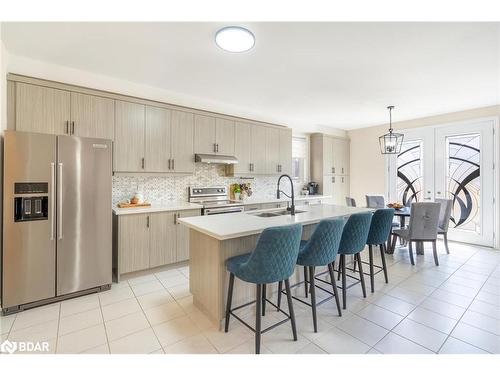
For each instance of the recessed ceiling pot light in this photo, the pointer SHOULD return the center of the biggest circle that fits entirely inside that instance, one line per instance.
(234, 39)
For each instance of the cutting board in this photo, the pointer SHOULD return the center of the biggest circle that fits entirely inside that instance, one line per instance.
(132, 205)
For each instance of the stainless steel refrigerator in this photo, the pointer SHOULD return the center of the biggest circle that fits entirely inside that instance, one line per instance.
(57, 224)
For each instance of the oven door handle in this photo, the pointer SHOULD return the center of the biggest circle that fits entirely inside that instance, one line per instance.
(224, 210)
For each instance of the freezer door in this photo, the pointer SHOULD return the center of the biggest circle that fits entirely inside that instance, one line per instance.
(29, 246)
(84, 227)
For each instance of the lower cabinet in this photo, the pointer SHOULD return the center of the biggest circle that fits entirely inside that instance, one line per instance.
(150, 240)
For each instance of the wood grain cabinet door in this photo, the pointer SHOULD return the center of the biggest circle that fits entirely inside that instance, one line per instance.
(92, 116)
(224, 136)
(285, 159)
(133, 243)
(41, 109)
(258, 149)
(204, 134)
(128, 153)
(242, 147)
(157, 140)
(272, 150)
(162, 238)
(182, 142)
(183, 235)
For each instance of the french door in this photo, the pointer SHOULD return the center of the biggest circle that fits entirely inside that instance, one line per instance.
(454, 162)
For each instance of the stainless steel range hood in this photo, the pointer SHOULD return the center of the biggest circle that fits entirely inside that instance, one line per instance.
(215, 159)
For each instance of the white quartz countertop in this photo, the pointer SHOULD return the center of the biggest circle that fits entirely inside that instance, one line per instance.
(157, 207)
(234, 225)
(249, 201)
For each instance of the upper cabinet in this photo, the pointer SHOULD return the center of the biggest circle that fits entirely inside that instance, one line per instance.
(92, 116)
(262, 149)
(204, 134)
(285, 159)
(158, 127)
(128, 152)
(48, 110)
(224, 136)
(42, 109)
(213, 135)
(153, 139)
(182, 142)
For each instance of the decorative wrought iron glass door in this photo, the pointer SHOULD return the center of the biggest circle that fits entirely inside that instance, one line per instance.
(464, 173)
(452, 162)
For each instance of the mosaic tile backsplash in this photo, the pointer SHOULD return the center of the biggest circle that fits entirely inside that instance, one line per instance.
(175, 188)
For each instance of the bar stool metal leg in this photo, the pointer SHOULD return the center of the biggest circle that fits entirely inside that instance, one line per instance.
(280, 288)
(372, 272)
(290, 309)
(384, 265)
(361, 276)
(229, 301)
(313, 298)
(331, 267)
(434, 250)
(344, 283)
(339, 271)
(410, 250)
(305, 281)
(258, 307)
(445, 237)
(264, 292)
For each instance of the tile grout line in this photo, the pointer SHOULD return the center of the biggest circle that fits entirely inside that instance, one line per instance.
(104, 324)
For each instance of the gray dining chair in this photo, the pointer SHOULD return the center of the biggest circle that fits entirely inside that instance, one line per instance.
(350, 202)
(423, 227)
(444, 219)
(375, 201)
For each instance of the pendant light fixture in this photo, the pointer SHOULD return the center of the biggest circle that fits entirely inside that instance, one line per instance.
(391, 142)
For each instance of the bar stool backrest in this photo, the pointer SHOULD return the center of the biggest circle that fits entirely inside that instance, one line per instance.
(355, 233)
(323, 246)
(424, 221)
(274, 256)
(380, 227)
(444, 213)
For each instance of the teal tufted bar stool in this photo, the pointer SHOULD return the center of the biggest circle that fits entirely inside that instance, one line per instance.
(380, 230)
(320, 250)
(273, 260)
(353, 241)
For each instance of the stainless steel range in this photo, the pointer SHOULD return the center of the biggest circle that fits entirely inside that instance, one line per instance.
(214, 200)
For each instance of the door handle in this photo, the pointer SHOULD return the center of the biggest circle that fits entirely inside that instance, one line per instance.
(216, 147)
(142, 163)
(178, 217)
(52, 199)
(59, 203)
(169, 163)
(147, 221)
(173, 163)
(67, 127)
(72, 127)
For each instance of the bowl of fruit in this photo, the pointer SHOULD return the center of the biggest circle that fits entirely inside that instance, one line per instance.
(396, 205)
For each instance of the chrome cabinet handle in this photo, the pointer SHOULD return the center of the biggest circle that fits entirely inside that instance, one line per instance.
(178, 217)
(147, 221)
(52, 199)
(333, 170)
(67, 127)
(59, 203)
(72, 127)
(175, 218)
(342, 170)
(169, 163)
(333, 179)
(142, 163)
(216, 147)
(173, 163)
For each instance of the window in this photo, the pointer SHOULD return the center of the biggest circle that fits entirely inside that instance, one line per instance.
(299, 159)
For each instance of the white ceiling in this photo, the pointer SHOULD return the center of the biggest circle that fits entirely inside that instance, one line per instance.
(306, 75)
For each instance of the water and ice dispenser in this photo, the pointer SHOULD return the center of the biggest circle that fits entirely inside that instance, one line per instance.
(33, 204)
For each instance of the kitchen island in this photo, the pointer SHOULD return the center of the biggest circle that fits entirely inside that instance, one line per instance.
(214, 239)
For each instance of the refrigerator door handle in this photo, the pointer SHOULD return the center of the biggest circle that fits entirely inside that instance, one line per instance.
(59, 201)
(52, 199)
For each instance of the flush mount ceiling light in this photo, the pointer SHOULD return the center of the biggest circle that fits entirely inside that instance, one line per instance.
(234, 39)
(390, 143)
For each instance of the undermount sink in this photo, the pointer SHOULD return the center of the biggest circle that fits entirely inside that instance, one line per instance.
(275, 213)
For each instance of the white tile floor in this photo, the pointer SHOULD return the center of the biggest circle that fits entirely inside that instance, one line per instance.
(453, 308)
